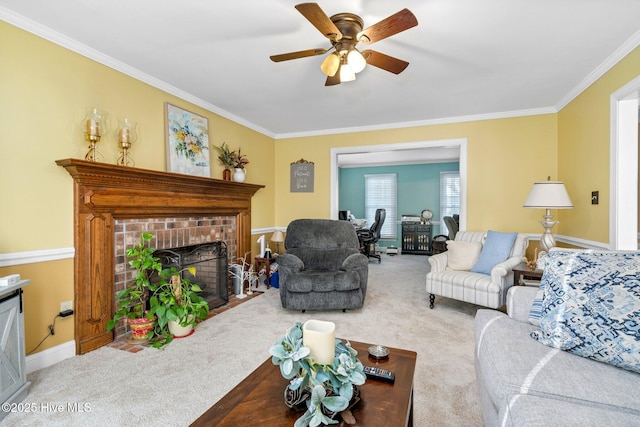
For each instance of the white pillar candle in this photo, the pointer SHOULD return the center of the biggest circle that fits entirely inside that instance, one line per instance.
(320, 337)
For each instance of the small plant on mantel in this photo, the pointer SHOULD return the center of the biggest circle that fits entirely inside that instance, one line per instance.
(132, 300)
(225, 155)
(239, 159)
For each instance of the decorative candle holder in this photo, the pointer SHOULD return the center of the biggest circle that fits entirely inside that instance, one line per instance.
(126, 135)
(95, 125)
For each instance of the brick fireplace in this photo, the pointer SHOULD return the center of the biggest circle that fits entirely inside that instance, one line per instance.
(171, 238)
(108, 196)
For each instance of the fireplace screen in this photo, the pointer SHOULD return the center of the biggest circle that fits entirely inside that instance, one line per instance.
(210, 261)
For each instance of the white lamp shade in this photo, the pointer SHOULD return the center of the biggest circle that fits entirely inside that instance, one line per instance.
(277, 237)
(346, 73)
(356, 60)
(548, 195)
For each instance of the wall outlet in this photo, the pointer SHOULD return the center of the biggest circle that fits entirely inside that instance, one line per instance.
(66, 305)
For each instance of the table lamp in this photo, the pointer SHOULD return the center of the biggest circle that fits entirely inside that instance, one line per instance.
(548, 195)
(278, 238)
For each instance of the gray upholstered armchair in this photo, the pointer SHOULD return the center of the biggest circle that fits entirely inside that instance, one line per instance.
(323, 268)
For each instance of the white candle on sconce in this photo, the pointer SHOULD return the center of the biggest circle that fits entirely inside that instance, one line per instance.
(320, 337)
(125, 135)
(93, 127)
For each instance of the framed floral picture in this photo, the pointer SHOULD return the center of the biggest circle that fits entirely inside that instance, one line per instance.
(187, 142)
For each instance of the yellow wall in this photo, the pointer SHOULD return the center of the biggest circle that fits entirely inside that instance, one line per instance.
(46, 88)
(584, 151)
(44, 91)
(505, 157)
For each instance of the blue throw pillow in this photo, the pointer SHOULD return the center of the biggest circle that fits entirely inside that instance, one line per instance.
(497, 248)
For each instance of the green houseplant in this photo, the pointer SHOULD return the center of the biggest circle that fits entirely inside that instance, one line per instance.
(226, 157)
(177, 304)
(326, 390)
(132, 300)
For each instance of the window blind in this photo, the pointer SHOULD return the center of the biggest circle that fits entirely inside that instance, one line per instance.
(381, 191)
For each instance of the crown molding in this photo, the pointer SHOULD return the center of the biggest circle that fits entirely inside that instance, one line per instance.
(624, 50)
(84, 50)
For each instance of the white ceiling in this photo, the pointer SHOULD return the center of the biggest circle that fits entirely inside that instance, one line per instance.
(469, 59)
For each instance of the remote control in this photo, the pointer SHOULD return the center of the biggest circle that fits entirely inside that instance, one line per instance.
(379, 374)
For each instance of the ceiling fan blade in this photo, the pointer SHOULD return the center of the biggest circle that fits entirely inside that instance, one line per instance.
(296, 55)
(394, 24)
(333, 80)
(320, 20)
(385, 62)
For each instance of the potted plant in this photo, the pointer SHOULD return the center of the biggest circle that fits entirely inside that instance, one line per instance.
(226, 157)
(177, 305)
(239, 162)
(324, 391)
(132, 301)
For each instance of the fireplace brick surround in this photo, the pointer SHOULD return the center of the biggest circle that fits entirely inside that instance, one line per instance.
(105, 194)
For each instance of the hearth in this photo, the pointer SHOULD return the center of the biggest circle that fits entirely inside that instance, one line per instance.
(211, 263)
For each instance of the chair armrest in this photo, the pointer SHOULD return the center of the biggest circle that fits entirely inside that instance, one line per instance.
(291, 262)
(502, 273)
(355, 261)
(438, 262)
(519, 302)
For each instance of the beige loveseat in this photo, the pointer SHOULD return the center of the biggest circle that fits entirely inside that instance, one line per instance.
(451, 276)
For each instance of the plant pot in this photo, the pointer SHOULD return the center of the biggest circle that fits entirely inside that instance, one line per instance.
(226, 174)
(239, 175)
(179, 331)
(140, 327)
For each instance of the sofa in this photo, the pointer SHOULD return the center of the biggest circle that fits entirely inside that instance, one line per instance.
(452, 272)
(545, 362)
(323, 268)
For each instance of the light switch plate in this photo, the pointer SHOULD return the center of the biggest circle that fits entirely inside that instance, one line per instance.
(595, 197)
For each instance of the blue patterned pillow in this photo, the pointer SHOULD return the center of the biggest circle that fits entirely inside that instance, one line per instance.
(550, 275)
(591, 306)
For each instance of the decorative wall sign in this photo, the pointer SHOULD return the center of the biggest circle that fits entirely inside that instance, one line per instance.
(302, 176)
(187, 142)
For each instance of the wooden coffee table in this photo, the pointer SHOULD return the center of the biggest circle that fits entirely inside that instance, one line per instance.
(259, 399)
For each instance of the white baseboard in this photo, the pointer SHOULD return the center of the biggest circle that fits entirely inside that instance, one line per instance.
(51, 356)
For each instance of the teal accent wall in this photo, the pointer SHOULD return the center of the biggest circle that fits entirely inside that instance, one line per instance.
(418, 189)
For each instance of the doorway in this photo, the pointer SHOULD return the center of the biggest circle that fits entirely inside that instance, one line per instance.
(459, 143)
(623, 210)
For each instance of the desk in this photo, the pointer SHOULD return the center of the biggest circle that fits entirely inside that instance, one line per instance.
(259, 261)
(259, 399)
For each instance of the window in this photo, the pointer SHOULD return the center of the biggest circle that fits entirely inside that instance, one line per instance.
(449, 197)
(380, 191)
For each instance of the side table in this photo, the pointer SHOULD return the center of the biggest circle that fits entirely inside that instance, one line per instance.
(259, 261)
(521, 273)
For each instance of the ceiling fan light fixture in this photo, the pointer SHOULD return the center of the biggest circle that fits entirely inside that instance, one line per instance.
(330, 65)
(356, 61)
(346, 73)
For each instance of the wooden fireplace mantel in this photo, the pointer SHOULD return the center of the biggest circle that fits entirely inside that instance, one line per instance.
(103, 193)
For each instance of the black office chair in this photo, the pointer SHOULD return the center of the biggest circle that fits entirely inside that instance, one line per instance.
(369, 237)
(452, 226)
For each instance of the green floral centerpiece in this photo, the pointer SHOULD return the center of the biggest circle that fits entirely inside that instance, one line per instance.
(327, 390)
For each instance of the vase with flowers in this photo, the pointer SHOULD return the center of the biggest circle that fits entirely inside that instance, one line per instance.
(324, 390)
(226, 157)
(239, 162)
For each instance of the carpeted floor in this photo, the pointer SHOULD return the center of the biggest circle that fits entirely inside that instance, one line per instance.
(174, 386)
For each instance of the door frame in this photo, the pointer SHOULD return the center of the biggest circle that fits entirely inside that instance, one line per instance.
(460, 143)
(623, 180)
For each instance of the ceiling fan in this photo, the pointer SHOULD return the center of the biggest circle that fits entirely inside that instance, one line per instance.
(344, 30)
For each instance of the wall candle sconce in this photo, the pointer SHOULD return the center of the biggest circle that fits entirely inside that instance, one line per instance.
(126, 135)
(95, 125)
